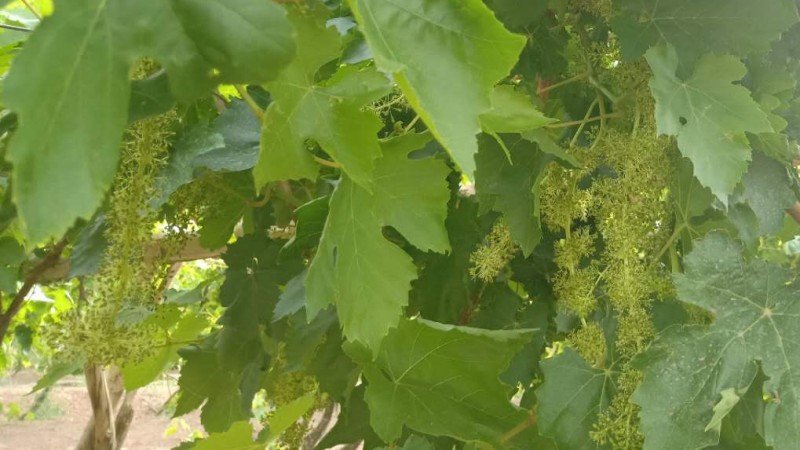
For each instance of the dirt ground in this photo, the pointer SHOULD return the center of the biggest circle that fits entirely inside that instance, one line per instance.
(64, 415)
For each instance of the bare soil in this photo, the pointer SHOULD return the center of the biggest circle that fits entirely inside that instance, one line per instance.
(67, 410)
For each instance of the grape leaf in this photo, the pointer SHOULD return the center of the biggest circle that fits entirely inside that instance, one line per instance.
(216, 229)
(730, 398)
(773, 87)
(517, 13)
(292, 299)
(141, 373)
(241, 132)
(11, 252)
(284, 417)
(205, 382)
(441, 380)
(694, 28)
(249, 295)
(366, 276)
(149, 97)
(335, 372)
(330, 114)
(444, 286)
(511, 187)
(446, 57)
(57, 371)
(304, 337)
(180, 166)
(352, 425)
(755, 307)
(310, 223)
(239, 437)
(768, 192)
(512, 112)
(570, 400)
(708, 114)
(414, 442)
(691, 199)
(89, 248)
(73, 124)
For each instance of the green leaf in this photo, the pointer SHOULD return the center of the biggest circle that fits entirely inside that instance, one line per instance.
(205, 382)
(691, 199)
(768, 192)
(335, 372)
(774, 145)
(546, 144)
(239, 437)
(352, 425)
(708, 114)
(285, 416)
(724, 407)
(441, 380)
(217, 228)
(517, 13)
(444, 286)
(331, 114)
(180, 167)
(141, 373)
(11, 252)
(745, 222)
(570, 400)
(687, 368)
(512, 112)
(89, 249)
(241, 132)
(414, 442)
(310, 223)
(446, 57)
(709, 26)
(73, 124)
(356, 268)
(149, 97)
(743, 428)
(304, 337)
(511, 187)
(56, 372)
(249, 295)
(292, 299)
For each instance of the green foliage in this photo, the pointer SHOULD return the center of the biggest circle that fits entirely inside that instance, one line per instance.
(356, 268)
(427, 387)
(694, 28)
(77, 120)
(696, 110)
(568, 419)
(300, 105)
(409, 38)
(463, 224)
(754, 308)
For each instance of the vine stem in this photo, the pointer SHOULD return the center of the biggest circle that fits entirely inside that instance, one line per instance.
(15, 28)
(326, 163)
(586, 117)
(667, 245)
(33, 277)
(411, 124)
(581, 122)
(530, 421)
(601, 104)
(32, 9)
(466, 313)
(259, 113)
(571, 80)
